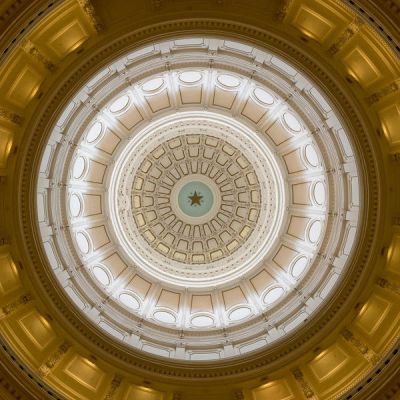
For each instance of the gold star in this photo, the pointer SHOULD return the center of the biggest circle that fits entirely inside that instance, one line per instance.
(195, 199)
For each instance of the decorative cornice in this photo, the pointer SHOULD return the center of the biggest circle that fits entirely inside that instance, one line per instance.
(305, 386)
(238, 395)
(375, 97)
(54, 359)
(11, 307)
(115, 384)
(32, 50)
(283, 10)
(348, 33)
(89, 10)
(10, 116)
(367, 353)
(382, 16)
(384, 283)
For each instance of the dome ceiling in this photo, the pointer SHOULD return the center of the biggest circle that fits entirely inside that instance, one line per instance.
(199, 243)
(199, 200)
(202, 201)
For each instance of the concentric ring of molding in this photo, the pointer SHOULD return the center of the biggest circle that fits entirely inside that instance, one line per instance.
(305, 160)
(262, 223)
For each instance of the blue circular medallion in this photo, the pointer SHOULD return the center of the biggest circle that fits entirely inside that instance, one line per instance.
(195, 199)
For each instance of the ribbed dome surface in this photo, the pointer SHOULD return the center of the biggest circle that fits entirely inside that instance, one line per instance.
(200, 201)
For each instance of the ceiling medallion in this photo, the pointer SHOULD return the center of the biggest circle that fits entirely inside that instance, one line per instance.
(196, 199)
(208, 211)
(220, 231)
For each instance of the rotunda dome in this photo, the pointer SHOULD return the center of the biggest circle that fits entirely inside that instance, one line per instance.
(200, 200)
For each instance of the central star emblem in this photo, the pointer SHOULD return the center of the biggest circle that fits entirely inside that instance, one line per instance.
(195, 199)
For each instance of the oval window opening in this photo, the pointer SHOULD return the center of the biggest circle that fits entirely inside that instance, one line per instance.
(273, 295)
(263, 96)
(311, 155)
(202, 321)
(190, 76)
(315, 231)
(164, 316)
(101, 275)
(83, 242)
(119, 104)
(75, 205)
(152, 84)
(94, 132)
(78, 168)
(292, 122)
(299, 266)
(239, 313)
(129, 301)
(319, 193)
(228, 80)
